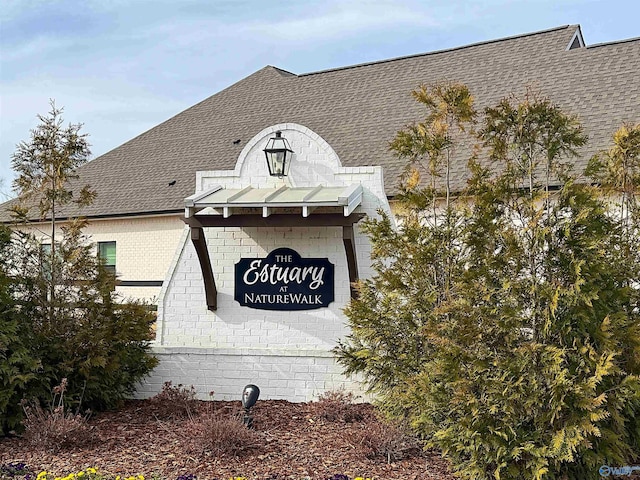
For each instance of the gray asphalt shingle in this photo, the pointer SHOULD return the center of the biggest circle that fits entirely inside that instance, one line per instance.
(358, 110)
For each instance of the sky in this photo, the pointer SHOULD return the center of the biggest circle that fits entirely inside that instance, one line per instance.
(120, 67)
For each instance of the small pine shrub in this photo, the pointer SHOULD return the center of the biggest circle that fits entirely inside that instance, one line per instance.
(337, 406)
(175, 401)
(54, 428)
(219, 434)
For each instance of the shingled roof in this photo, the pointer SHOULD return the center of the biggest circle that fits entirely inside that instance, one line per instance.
(358, 110)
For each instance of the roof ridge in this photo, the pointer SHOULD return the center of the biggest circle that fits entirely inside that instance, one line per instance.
(282, 71)
(445, 50)
(615, 42)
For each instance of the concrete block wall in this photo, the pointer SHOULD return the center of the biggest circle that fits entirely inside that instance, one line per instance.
(294, 375)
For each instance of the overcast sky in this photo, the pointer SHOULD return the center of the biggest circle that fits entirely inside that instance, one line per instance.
(120, 67)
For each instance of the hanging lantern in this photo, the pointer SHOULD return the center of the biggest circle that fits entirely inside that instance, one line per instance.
(278, 153)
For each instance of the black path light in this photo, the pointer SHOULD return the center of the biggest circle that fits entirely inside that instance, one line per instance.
(250, 396)
(278, 153)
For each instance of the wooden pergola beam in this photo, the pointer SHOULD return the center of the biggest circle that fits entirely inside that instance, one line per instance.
(274, 220)
(210, 290)
(352, 263)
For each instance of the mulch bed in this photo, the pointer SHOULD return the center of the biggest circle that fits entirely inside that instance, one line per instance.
(294, 442)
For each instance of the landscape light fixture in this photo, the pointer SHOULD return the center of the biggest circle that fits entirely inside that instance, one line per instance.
(278, 153)
(250, 396)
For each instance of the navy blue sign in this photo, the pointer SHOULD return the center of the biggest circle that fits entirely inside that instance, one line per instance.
(284, 281)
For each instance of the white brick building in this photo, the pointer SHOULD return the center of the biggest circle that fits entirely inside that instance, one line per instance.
(338, 123)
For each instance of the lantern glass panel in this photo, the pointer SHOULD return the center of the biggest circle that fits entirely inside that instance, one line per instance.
(278, 162)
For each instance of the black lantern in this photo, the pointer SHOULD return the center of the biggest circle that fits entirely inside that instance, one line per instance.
(278, 153)
(250, 396)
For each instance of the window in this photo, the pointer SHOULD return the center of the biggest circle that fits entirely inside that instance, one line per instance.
(107, 253)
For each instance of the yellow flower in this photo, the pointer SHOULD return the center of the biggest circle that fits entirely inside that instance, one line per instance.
(42, 475)
(140, 477)
(118, 477)
(92, 470)
(80, 473)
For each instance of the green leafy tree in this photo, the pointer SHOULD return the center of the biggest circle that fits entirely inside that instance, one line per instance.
(74, 323)
(44, 165)
(528, 366)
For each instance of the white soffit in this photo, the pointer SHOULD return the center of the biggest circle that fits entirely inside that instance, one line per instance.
(270, 199)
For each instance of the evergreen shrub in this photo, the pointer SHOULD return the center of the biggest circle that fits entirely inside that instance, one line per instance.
(18, 364)
(85, 333)
(504, 322)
